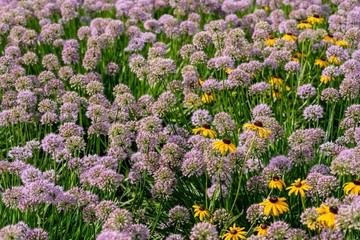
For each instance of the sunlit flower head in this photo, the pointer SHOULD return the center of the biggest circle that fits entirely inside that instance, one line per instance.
(299, 186)
(277, 182)
(205, 130)
(334, 59)
(329, 38)
(257, 126)
(201, 212)
(229, 70)
(325, 79)
(327, 215)
(343, 43)
(234, 233)
(352, 187)
(224, 145)
(315, 19)
(274, 206)
(275, 81)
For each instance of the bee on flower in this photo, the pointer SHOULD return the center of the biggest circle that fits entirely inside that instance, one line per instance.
(275, 206)
(205, 130)
(201, 212)
(299, 186)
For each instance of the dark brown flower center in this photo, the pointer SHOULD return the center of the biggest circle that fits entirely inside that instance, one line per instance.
(201, 208)
(206, 126)
(289, 34)
(323, 59)
(271, 37)
(356, 181)
(330, 35)
(273, 199)
(316, 16)
(258, 124)
(298, 184)
(334, 209)
(226, 141)
(233, 232)
(209, 94)
(305, 21)
(276, 178)
(263, 226)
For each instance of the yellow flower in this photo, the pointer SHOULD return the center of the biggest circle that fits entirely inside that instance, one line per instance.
(299, 54)
(315, 19)
(276, 94)
(304, 24)
(327, 215)
(276, 182)
(325, 79)
(334, 59)
(258, 127)
(321, 63)
(234, 233)
(207, 98)
(271, 40)
(276, 81)
(298, 187)
(343, 43)
(274, 206)
(266, 8)
(329, 38)
(287, 88)
(224, 145)
(201, 81)
(352, 187)
(228, 70)
(295, 59)
(205, 130)
(289, 37)
(261, 229)
(201, 212)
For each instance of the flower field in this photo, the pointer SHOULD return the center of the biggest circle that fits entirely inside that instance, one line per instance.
(179, 119)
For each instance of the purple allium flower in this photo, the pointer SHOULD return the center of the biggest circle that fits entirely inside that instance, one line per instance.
(91, 58)
(255, 214)
(38, 234)
(261, 110)
(201, 117)
(224, 123)
(174, 236)
(278, 230)
(281, 162)
(349, 88)
(259, 88)
(330, 149)
(138, 231)
(204, 230)
(52, 143)
(178, 215)
(113, 235)
(346, 163)
(193, 164)
(313, 112)
(104, 209)
(17, 231)
(224, 62)
(306, 91)
(49, 33)
(330, 95)
(239, 77)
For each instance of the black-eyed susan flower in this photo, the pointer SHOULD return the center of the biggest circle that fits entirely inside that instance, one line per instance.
(329, 38)
(304, 25)
(205, 130)
(207, 98)
(234, 233)
(320, 62)
(258, 127)
(274, 206)
(201, 212)
(277, 182)
(224, 145)
(296, 59)
(352, 187)
(201, 81)
(276, 81)
(315, 19)
(299, 186)
(289, 37)
(327, 215)
(276, 94)
(343, 43)
(271, 40)
(334, 59)
(261, 229)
